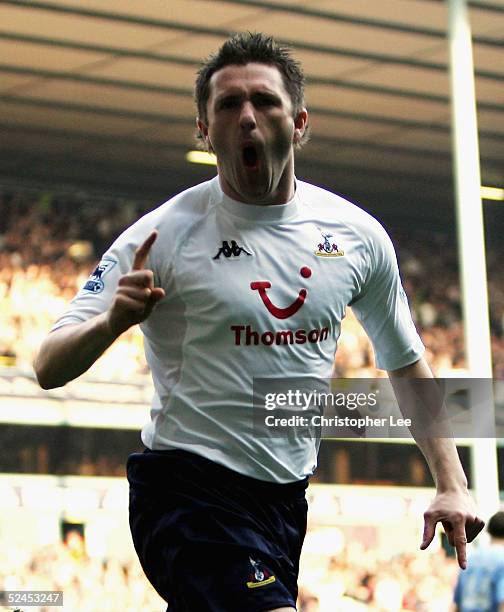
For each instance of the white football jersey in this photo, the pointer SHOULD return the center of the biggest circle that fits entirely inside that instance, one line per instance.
(252, 291)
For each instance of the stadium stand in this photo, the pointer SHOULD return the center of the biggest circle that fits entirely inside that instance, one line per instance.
(49, 243)
(356, 579)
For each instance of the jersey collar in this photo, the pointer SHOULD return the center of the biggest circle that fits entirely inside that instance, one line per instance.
(276, 213)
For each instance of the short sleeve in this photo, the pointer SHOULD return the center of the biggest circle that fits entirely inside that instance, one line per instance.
(98, 291)
(382, 308)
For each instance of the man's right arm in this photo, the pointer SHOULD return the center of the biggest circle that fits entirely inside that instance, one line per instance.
(71, 350)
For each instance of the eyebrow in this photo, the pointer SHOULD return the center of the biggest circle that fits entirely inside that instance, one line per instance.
(227, 97)
(238, 96)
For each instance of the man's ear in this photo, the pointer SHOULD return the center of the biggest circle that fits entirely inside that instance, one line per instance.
(203, 132)
(300, 124)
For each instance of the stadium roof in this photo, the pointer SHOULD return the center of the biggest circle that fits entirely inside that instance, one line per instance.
(100, 93)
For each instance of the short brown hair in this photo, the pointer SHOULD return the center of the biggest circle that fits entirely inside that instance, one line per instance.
(244, 48)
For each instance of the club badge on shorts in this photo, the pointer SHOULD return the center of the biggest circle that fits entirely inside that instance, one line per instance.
(260, 575)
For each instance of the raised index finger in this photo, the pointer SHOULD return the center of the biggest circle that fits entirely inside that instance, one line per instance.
(143, 251)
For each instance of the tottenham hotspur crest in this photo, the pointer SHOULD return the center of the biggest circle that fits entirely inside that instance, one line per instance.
(328, 248)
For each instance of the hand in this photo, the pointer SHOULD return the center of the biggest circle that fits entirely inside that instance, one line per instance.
(136, 295)
(456, 511)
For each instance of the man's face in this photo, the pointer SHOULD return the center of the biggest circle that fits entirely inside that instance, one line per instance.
(251, 129)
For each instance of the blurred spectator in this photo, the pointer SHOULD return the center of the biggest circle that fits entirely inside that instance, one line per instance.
(480, 588)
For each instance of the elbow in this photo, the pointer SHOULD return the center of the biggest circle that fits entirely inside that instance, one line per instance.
(43, 379)
(43, 376)
(44, 383)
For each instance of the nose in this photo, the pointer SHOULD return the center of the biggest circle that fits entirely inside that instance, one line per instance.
(247, 116)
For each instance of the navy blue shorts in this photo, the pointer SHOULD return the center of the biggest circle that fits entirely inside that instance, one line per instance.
(212, 540)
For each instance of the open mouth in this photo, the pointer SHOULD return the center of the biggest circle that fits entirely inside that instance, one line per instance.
(250, 157)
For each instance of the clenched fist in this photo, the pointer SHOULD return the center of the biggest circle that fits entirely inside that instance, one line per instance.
(136, 295)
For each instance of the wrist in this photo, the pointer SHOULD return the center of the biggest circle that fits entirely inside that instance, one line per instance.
(107, 327)
(452, 485)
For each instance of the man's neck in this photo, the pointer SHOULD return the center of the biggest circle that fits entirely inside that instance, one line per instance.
(281, 194)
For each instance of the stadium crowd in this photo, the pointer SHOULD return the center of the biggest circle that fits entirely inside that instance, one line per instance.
(356, 579)
(50, 244)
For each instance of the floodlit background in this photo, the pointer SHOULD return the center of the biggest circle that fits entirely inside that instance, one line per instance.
(96, 126)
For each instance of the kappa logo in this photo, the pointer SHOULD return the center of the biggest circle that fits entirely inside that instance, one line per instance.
(231, 250)
(260, 575)
(328, 248)
(95, 282)
(282, 313)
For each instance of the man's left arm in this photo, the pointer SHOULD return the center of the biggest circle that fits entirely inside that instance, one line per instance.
(452, 506)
